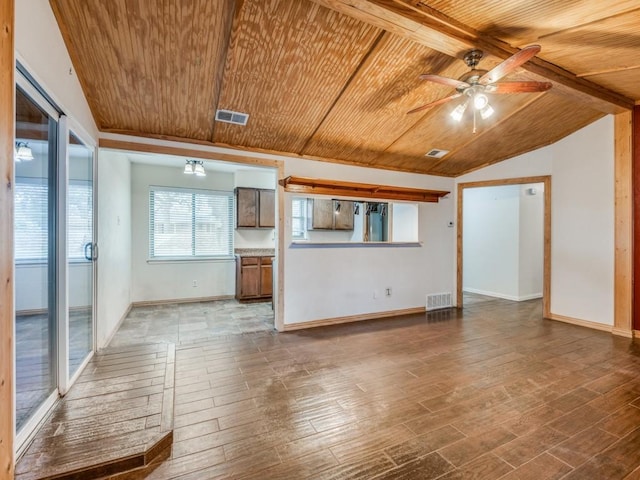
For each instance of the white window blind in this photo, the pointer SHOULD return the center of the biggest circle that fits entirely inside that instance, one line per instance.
(299, 218)
(31, 219)
(79, 218)
(32, 215)
(187, 223)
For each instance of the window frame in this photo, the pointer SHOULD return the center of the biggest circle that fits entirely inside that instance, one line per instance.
(229, 216)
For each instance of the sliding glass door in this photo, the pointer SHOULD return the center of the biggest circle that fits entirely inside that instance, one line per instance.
(54, 255)
(81, 251)
(35, 259)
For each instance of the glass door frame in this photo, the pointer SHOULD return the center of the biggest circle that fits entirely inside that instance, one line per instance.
(59, 291)
(29, 427)
(69, 126)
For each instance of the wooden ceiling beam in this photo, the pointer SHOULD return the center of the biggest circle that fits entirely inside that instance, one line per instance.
(414, 20)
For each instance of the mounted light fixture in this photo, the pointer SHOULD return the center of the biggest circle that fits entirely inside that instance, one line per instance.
(195, 166)
(22, 152)
(480, 101)
(486, 112)
(477, 82)
(458, 112)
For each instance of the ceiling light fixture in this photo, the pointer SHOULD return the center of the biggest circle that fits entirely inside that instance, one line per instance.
(22, 152)
(480, 101)
(486, 112)
(458, 112)
(199, 169)
(195, 166)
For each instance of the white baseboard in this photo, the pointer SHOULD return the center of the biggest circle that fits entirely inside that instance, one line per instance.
(513, 298)
(351, 318)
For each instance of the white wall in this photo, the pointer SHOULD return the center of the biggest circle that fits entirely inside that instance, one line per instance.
(114, 242)
(323, 282)
(503, 239)
(531, 234)
(582, 211)
(166, 280)
(491, 238)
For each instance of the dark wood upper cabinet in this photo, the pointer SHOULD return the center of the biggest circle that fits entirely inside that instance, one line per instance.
(255, 208)
(320, 215)
(330, 214)
(267, 208)
(343, 215)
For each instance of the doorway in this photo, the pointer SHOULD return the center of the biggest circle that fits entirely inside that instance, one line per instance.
(512, 200)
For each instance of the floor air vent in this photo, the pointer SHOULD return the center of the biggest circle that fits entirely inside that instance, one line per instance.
(228, 116)
(436, 301)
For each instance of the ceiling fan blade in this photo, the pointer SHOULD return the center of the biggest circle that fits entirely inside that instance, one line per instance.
(436, 103)
(451, 82)
(518, 87)
(509, 65)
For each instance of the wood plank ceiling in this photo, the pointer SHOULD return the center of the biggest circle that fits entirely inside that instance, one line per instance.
(333, 79)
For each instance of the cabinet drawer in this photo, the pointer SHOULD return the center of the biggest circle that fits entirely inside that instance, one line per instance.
(267, 260)
(249, 261)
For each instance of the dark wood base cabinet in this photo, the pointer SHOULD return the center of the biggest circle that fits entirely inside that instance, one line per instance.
(254, 278)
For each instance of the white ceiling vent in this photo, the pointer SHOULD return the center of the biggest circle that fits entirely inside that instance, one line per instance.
(228, 116)
(436, 153)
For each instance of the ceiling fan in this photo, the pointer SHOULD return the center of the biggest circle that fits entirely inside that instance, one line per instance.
(476, 83)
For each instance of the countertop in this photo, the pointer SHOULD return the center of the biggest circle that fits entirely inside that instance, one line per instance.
(255, 252)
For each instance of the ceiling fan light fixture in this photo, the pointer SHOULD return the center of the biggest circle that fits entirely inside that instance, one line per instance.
(480, 101)
(487, 111)
(458, 112)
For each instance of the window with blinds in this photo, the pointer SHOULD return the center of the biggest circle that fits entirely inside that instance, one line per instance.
(32, 216)
(186, 223)
(299, 219)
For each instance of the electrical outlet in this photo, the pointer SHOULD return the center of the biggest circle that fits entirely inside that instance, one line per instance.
(195, 283)
(387, 291)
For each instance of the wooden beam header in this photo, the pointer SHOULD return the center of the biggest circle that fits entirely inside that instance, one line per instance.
(316, 186)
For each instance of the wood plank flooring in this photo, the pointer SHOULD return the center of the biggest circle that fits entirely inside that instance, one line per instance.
(117, 417)
(491, 392)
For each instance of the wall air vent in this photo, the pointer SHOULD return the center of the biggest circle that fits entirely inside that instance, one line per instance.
(436, 153)
(228, 116)
(436, 301)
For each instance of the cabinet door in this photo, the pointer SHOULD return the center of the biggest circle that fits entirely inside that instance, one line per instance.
(267, 203)
(247, 207)
(266, 277)
(343, 217)
(250, 284)
(322, 214)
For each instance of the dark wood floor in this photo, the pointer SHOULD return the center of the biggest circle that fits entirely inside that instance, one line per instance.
(493, 392)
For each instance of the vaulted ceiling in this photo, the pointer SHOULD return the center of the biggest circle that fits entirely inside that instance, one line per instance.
(334, 79)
